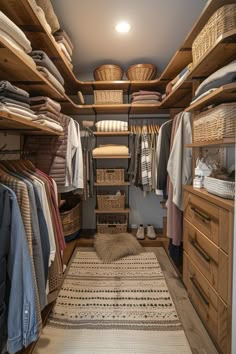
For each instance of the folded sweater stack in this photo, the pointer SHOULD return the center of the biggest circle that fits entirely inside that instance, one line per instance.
(146, 97)
(48, 69)
(65, 45)
(15, 100)
(48, 111)
(13, 34)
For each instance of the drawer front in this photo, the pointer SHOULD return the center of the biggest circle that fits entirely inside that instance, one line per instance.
(210, 260)
(209, 306)
(203, 215)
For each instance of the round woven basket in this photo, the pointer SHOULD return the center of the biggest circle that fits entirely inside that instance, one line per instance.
(108, 72)
(141, 72)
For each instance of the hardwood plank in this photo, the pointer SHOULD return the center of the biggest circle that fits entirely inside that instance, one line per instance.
(111, 108)
(179, 61)
(199, 340)
(180, 97)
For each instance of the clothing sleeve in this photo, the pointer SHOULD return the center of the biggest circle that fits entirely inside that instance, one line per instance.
(78, 171)
(22, 315)
(180, 161)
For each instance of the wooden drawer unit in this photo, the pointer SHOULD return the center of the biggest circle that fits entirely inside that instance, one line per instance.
(210, 259)
(208, 304)
(208, 218)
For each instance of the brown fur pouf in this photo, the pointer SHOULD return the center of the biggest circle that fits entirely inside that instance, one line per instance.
(110, 247)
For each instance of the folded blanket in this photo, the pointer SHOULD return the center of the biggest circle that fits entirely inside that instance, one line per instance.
(43, 116)
(203, 95)
(111, 126)
(223, 76)
(14, 96)
(44, 107)
(66, 44)
(181, 79)
(51, 79)
(64, 51)
(62, 33)
(41, 15)
(42, 99)
(6, 85)
(42, 59)
(9, 27)
(145, 97)
(50, 15)
(11, 100)
(146, 102)
(10, 104)
(50, 115)
(18, 111)
(146, 93)
(111, 150)
(52, 125)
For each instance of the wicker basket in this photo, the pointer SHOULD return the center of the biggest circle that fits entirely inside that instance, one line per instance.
(108, 72)
(142, 72)
(110, 176)
(108, 96)
(221, 22)
(224, 189)
(111, 224)
(70, 216)
(108, 201)
(215, 124)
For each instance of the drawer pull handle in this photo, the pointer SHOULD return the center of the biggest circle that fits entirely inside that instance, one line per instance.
(200, 250)
(199, 291)
(203, 216)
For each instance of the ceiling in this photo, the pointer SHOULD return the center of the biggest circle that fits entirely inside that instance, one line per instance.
(158, 28)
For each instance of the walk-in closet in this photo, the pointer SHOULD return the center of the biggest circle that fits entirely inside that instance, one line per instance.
(117, 177)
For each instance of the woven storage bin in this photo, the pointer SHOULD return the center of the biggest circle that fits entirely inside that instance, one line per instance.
(70, 216)
(111, 224)
(108, 72)
(108, 96)
(215, 124)
(221, 22)
(111, 201)
(142, 72)
(110, 176)
(224, 189)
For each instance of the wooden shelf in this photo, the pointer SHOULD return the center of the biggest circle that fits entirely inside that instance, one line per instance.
(222, 142)
(124, 133)
(16, 67)
(140, 108)
(110, 211)
(223, 52)
(180, 97)
(201, 192)
(111, 185)
(111, 108)
(14, 123)
(226, 93)
(111, 157)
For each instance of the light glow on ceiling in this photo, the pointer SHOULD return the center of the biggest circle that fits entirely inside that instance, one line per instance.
(122, 27)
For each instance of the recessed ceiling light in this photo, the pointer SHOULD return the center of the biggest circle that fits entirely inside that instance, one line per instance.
(122, 27)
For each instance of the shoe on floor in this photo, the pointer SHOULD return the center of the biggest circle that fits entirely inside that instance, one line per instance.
(140, 233)
(151, 232)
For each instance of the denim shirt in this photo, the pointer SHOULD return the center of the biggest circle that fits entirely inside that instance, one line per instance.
(20, 298)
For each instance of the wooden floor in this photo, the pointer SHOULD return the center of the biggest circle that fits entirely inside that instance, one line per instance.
(196, 333)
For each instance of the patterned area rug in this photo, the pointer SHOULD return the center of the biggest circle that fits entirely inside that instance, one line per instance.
(121, 307)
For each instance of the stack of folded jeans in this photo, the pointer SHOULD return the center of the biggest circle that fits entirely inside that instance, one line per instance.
(146, 97)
